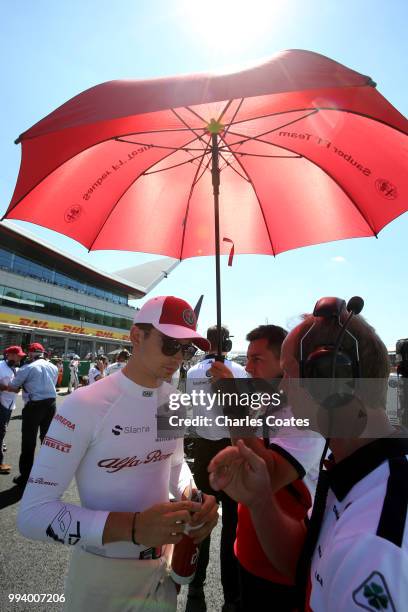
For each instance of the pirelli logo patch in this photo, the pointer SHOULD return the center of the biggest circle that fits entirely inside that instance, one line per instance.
(63, 447)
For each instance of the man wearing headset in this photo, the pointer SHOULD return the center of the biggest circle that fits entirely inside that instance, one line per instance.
(354, 553)
(292, 456)
(107, 436)
(208, 442)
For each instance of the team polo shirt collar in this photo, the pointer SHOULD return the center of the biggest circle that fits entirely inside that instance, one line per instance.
(344, 475)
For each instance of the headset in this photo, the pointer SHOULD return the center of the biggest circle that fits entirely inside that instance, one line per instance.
(226, 345)
(226, 342)
(330, 371)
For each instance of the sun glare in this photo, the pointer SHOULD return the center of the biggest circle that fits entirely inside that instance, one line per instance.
(229, 26)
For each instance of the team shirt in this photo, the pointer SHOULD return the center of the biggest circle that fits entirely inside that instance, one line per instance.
(361, 557)
(106, 437)
(93, 373)
(303, 449)
(7, 398)
(114, 367)
(38, 379)
(198, 379)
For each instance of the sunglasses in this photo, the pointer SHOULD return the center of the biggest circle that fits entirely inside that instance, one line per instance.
(171, 347)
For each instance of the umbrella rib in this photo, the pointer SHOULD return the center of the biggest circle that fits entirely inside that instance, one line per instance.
(353, 202)
(196, 114)
(67, 160)
(190, 195)
(248, 178)
(286, 112)
(259, 202)
(329, 108)
(123, 193)
(268, 156)
(164, 131)
(146, 144)
(22, 137)
(188, 161)
(271, 144)
(226, 107)
(186, 124)
(323, 170)
(166, 156)
(247, 138)
(233, 116)
(203, 172)
(173, 149)
(245, 177)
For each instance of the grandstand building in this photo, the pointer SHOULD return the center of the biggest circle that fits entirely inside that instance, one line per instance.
(53, 298)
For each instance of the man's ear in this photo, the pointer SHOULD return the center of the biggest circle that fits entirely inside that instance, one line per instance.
(136, 335)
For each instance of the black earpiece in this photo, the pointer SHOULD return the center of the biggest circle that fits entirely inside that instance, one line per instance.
(226, 343)
(330, 371)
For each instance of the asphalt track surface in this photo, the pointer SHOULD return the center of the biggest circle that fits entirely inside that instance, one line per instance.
(39, 567)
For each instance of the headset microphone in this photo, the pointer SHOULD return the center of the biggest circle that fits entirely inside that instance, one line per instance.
(355, 304)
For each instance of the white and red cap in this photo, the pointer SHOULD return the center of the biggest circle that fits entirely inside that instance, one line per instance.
(172, 317)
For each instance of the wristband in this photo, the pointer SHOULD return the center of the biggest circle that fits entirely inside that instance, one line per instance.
(136, 514)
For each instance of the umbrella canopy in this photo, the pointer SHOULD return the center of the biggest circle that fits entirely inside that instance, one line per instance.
(310, 152)
(305, 149)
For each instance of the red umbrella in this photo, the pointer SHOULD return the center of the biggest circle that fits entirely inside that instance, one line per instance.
(306, 151)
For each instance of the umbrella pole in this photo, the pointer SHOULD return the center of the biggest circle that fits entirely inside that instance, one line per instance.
(215, 172)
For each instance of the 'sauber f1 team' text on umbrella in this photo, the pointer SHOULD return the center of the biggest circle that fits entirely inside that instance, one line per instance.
(300, 150)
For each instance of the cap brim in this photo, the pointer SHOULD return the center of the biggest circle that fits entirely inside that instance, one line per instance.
(183, 333)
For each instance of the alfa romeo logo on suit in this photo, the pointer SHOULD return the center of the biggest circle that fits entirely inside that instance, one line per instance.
(189, 316)
(73, 213)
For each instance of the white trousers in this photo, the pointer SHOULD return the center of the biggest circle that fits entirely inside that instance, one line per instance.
(96, 584)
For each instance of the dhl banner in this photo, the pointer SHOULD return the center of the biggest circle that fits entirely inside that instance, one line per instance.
(64, 327)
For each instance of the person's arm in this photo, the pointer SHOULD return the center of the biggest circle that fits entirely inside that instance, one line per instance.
(294, 453)
(160, 524)
(226, 469)
(43, 515)
(220, 371)
(281, 470)
(280, 536)
(181, 478)
(8, 387)
(18, 381)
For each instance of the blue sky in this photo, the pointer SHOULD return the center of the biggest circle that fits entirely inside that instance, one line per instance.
(53, 50)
